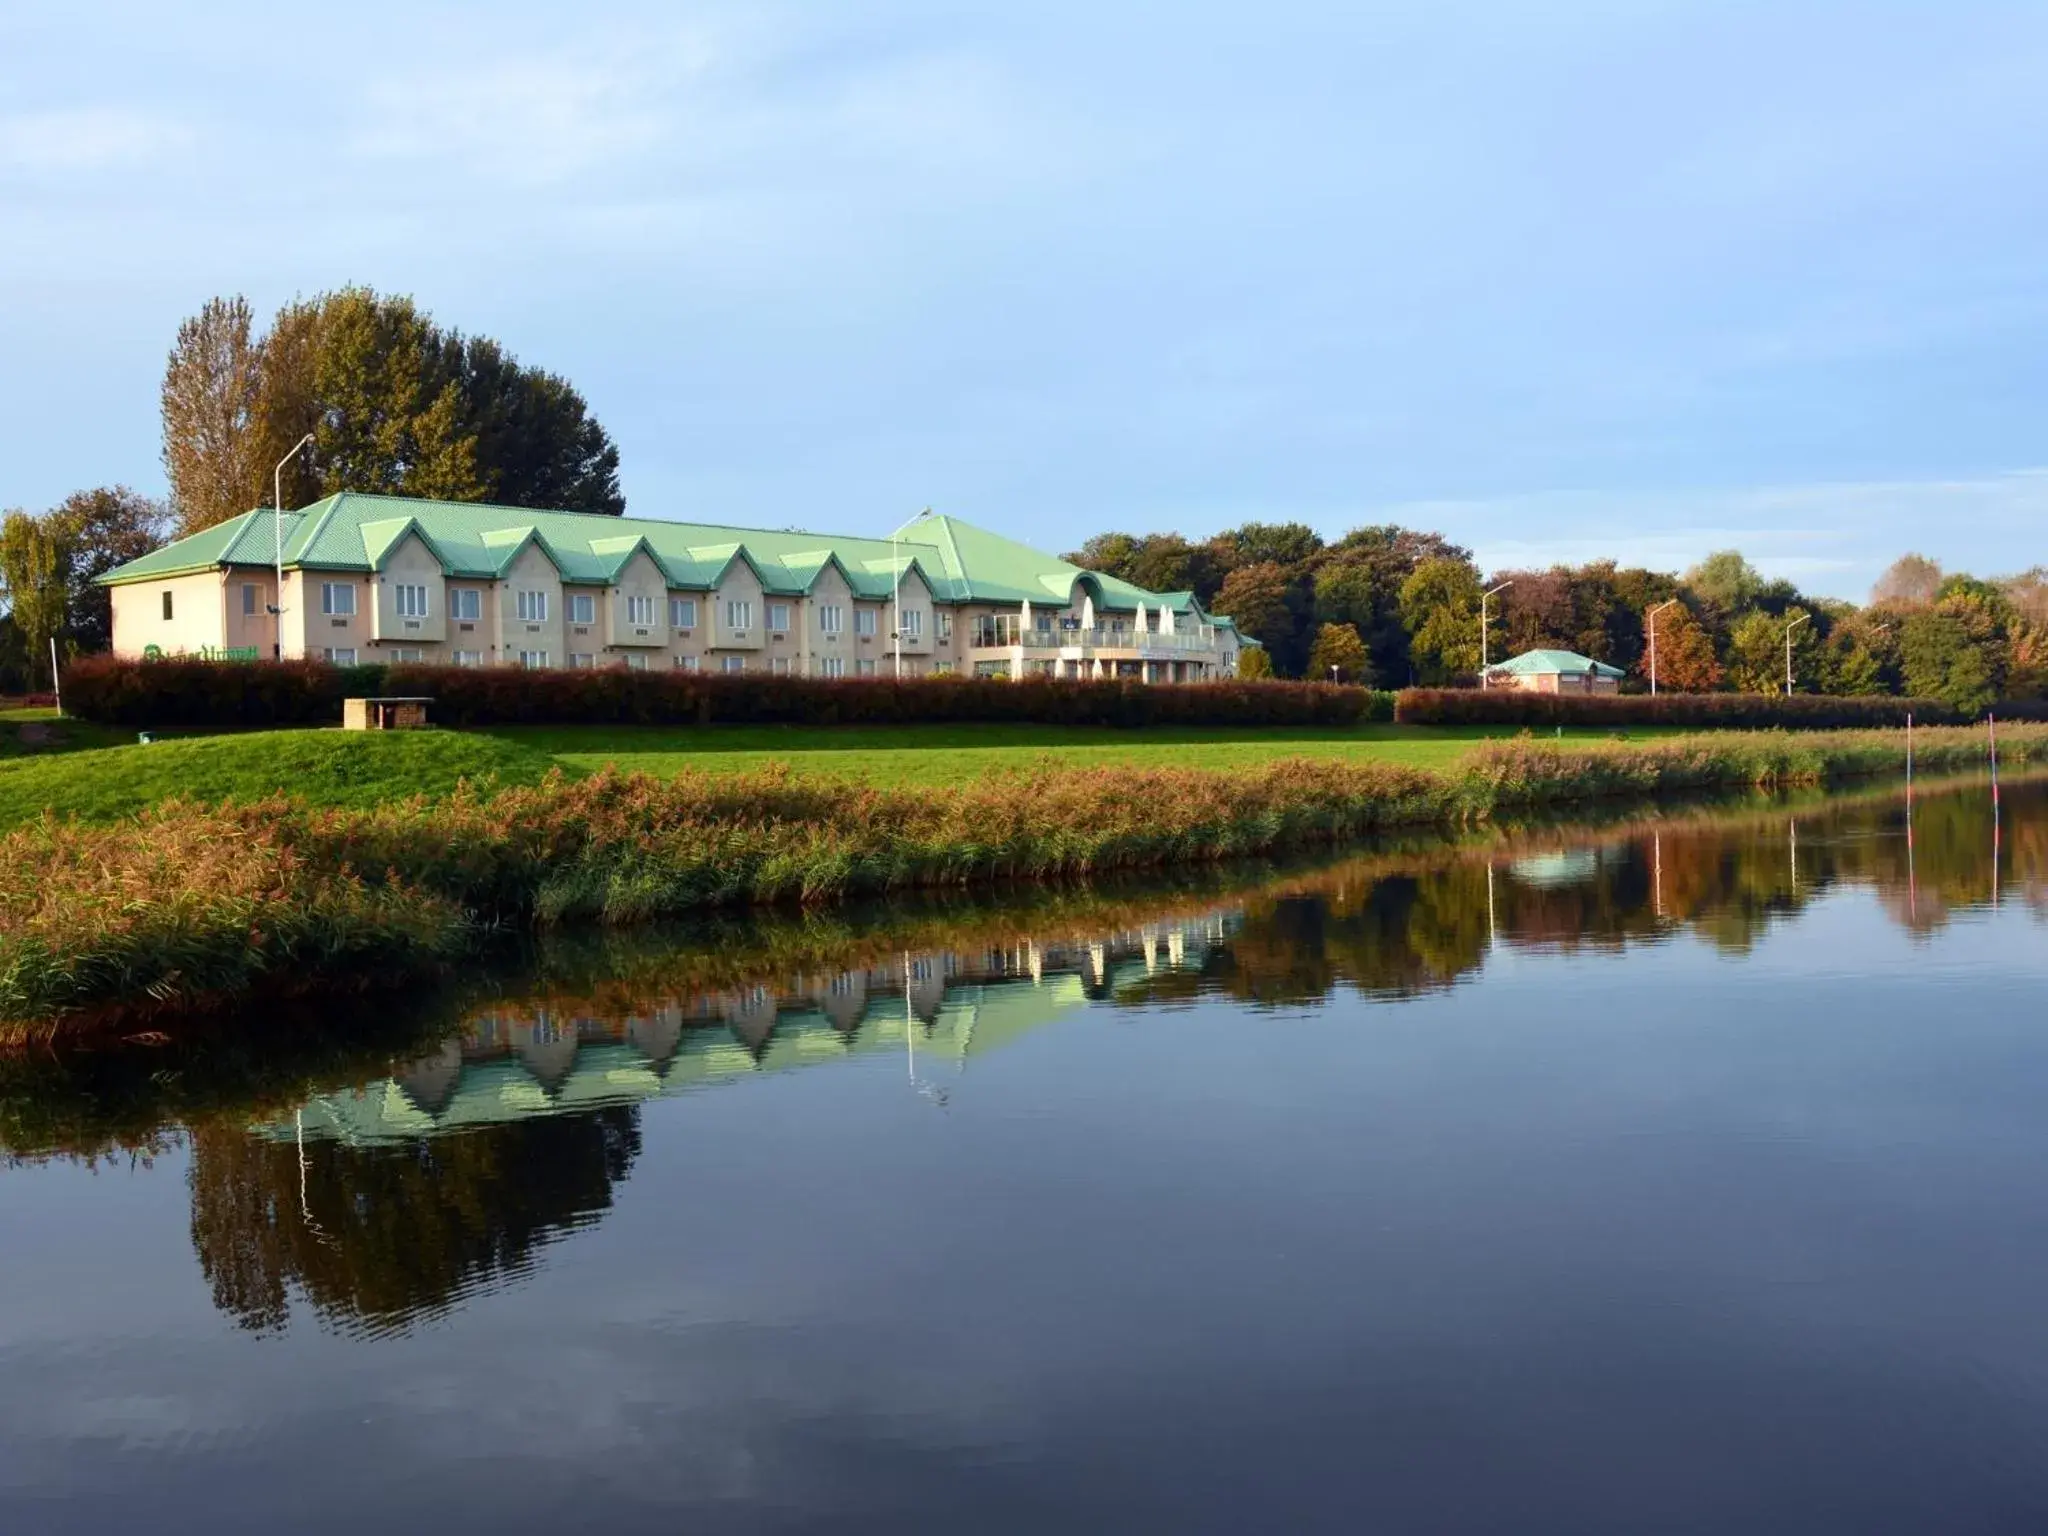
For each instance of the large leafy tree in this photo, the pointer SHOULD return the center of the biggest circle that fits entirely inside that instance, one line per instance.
(33, 583)
(396, 404)
(1908, 582)
(1440, 606)
(1726, 580)
(98, 530)
(214, 445)
(1256, 598)
(1945, 660)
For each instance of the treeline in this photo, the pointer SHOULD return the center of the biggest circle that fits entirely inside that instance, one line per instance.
(1393, 607)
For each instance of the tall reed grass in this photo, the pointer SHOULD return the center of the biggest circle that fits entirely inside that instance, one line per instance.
(191, 903)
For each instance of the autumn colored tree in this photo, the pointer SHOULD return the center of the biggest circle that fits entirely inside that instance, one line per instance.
(1255, 597)
(1339, 654)
(214, 447)
(1908, 582)
(1685, 661)
(1254, 662)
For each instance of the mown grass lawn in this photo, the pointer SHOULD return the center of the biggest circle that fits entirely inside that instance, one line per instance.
(949, 754)
(72, 769)
(320, 767)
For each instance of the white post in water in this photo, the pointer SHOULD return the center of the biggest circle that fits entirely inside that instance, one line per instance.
(1483, 599)
(1653, 642)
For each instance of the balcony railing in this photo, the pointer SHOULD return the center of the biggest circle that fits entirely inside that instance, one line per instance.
(1002, 632)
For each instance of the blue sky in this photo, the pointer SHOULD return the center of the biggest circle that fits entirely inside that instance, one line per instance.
(1560, 279)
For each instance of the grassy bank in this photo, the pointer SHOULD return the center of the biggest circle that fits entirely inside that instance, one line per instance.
(78, 770)
(190, 903)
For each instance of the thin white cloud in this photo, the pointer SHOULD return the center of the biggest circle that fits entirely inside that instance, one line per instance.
(1833, 537)
(71, 141)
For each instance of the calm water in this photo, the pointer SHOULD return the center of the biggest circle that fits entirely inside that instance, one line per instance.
(1676, 1177)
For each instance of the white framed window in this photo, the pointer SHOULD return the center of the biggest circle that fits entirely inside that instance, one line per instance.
(338, 598)
(582, 608)
(248, 599)
(412, 601)
(832, 666)
(640, 610)
(945, 625)
(636, 661)
(533, 659)
(339, 655)
(532, 608)
(469, 658)
(913, 623)
(689, 664)
(778, 616)
(466, 603)
(682, 613)
(408, 653)
(831, 619)
(865, 667)
(739, 614)
(734, 664)
(583, 661)
(864, 621)
(779, 666)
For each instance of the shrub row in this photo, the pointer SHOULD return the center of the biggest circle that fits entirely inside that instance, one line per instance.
(177, 692)
(1747, 711)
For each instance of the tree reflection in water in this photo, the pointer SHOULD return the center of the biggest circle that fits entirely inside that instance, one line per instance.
(375, 1238)
(400, 1188)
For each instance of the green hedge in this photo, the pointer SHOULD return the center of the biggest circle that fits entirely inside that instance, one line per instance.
(179, 692)
(1748, 711)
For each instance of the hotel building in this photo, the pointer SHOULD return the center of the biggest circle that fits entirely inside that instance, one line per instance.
(379, 578)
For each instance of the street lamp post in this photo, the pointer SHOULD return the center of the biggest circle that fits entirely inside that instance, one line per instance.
(1788, 650)
(1652, 620)
(277, 536)
(1484, 597)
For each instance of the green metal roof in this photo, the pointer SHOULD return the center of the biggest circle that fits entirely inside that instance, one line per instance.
(352, 532)
(1564, 663)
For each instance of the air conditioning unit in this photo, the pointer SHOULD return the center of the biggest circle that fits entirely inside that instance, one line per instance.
(465, 628)
(779, 635)
(339, 623)
(582, 629)
(533, 629)
(412, 623)
(640, 632)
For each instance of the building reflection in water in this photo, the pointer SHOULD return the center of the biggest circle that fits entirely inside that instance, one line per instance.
(391, 1198)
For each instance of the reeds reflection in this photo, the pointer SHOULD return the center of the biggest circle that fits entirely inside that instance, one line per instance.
(385, 1181)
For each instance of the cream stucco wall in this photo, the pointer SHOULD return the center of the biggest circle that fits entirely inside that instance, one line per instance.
(410, 563)
(198, 604)
(532, 571)
(739, 584)
(640, 578)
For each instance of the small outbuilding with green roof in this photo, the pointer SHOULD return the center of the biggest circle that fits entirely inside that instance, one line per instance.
(1548, 671)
